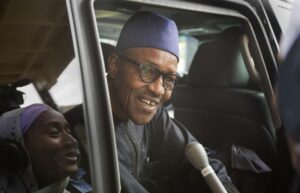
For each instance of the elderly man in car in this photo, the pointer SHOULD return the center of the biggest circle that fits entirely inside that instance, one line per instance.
(141, 77)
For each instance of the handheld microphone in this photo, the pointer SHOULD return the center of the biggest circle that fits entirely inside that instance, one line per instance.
(196, 154)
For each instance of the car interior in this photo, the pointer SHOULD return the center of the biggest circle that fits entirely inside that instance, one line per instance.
(224, 98)
(221, 99)
(227, 107)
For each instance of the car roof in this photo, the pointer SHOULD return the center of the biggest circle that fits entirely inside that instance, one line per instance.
(36, 41)
(33, 34)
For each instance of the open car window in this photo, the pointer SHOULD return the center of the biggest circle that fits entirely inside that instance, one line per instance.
(211, 31)
(228, 69)
(38, 65)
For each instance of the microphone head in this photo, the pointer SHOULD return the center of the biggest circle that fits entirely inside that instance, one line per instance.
(196, 154)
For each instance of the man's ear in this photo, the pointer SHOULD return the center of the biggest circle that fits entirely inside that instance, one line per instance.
(113, 65)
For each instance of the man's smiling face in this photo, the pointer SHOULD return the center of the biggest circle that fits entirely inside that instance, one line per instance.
(131, 96)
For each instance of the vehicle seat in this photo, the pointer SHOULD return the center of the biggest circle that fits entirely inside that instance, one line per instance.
(107, 49)
(220, 104)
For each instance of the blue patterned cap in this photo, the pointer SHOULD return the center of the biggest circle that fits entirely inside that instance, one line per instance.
(147, 29)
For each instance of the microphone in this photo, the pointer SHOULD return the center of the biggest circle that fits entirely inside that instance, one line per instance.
(197, 156)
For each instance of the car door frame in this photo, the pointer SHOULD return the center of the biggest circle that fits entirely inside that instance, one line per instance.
(97, 110)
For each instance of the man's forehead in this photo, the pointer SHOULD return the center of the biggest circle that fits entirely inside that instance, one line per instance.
(150, 52)
(162, 59)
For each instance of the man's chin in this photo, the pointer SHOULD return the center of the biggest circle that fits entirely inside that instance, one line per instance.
(142, 119)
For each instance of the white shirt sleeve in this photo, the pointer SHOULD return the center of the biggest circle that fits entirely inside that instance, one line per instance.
(293, 30)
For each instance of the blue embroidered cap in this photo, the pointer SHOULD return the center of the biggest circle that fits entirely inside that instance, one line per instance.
(147, 29)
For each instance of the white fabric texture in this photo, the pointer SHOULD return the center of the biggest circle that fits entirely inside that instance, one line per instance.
(293, 30)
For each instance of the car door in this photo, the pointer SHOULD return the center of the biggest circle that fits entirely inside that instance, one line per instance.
(38, 45)
(100, 21)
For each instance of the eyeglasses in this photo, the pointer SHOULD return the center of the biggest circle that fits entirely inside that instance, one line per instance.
(150, 73)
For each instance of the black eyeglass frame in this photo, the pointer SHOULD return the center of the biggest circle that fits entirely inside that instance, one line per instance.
(161, 73)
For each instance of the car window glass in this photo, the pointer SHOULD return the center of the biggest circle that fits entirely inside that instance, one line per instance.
(188, 46)
(282, 10)
(30, 95)
(37, 58)
(67, 90)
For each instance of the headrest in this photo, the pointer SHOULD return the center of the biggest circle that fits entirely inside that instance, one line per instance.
(219, 63)
(107, 50)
